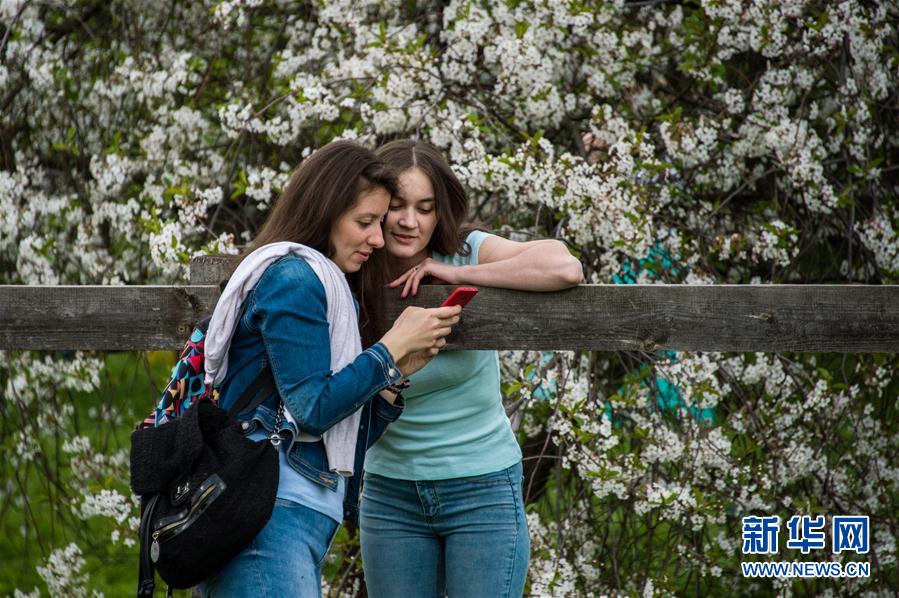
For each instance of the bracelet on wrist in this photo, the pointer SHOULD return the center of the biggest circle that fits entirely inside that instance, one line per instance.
(398, 387)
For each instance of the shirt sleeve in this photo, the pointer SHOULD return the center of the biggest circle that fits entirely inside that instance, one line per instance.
(474, 239)
(288, 308)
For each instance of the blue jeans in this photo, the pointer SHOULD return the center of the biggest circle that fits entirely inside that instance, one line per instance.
(458, 537)
(285, 558)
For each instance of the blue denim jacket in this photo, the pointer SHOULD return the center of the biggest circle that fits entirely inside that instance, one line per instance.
(284, 323)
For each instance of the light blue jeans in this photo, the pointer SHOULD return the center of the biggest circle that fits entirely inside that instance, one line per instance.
(464, 537)
(285, 559)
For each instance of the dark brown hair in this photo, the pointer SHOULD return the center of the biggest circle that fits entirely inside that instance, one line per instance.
(320, 191)
(450, 199)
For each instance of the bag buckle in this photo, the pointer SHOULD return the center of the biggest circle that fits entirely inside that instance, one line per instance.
(180, 492)
(275, 439)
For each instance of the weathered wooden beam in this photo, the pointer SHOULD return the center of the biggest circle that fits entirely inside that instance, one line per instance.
(101, 317)
(709, 318)
(769, 318)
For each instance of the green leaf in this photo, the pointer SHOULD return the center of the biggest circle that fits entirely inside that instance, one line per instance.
(718, 70)
(521, 28)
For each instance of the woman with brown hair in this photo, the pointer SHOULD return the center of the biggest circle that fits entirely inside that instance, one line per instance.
(442, 510)
(291, 306)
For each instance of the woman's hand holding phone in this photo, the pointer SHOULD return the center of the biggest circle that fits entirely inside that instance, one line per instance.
(418, 334)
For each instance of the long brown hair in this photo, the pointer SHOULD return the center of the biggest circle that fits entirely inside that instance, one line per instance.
(321, 189)
(450, 199)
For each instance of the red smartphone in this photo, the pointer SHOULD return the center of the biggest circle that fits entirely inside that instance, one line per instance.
(460, 296)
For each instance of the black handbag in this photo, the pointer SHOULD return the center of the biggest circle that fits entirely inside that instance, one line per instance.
(206, 489)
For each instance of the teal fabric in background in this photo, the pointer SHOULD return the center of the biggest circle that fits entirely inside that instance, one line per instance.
(669, 396)
(454, 424)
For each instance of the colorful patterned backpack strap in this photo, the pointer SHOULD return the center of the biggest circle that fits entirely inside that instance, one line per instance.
(186, 383)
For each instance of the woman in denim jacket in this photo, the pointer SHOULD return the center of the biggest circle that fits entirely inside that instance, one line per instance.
(442, 508)
(334, 204)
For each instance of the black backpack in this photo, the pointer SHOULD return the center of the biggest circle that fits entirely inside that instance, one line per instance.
(206, 489)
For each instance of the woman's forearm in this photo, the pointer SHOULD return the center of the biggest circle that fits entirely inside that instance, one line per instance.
(545, 266)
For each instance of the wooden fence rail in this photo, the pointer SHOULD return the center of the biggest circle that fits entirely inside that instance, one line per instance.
(767, 318)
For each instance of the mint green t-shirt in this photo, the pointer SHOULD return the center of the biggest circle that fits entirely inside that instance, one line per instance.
(454, 424)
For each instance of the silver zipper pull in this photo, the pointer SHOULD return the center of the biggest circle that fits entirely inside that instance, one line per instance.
(154, 547)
